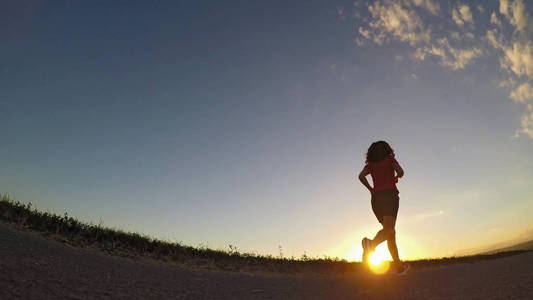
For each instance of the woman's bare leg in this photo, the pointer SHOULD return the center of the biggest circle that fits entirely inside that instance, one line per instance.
(387, 234)
(393, 249)
(380, 237)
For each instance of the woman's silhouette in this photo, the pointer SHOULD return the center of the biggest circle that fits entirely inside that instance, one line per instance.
(385, 171)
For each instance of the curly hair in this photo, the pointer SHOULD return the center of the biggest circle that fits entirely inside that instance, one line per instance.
(378, 151)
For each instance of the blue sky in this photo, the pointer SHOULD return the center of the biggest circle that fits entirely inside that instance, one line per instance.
(244, 123)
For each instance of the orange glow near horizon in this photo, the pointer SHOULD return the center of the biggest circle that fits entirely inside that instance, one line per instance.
(380, 255)
(380, 268)
(379, 261)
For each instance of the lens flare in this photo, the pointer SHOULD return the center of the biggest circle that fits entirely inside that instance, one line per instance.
(381, 268)
(379, 260)
(381, 254)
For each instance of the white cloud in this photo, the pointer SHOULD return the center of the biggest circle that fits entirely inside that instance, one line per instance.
(413, 22)
(504, 8)
(520, 16)
(494, 20)
(495, 39)
(458, 37)
(507, 83)
(456, 18)
(462, 57)
(449, 56)
(519, 58)
(420, 54)
(397, 20)
(394, 20)
(462, 15)
(432, 6)
(516, 56)
(517, 50)
(515, 12)
(364, 32)
(504, 83)
(527, 122)
(522, 93)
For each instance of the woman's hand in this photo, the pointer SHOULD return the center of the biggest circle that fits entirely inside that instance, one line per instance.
(362, 178)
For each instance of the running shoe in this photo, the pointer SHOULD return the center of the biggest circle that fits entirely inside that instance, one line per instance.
(366, 249)
(402, 269)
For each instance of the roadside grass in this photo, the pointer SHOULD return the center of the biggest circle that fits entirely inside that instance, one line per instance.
(134, 245)
(137, 246)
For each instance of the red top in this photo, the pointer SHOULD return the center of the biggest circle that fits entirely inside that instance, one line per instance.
(383, 175)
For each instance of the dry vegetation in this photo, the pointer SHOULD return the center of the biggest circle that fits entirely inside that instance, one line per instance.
(137, 246)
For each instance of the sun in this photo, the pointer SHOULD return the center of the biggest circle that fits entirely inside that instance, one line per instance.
(380, 255)
(379, 260)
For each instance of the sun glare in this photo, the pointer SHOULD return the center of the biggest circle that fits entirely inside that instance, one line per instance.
(379, 260)
(380, 255)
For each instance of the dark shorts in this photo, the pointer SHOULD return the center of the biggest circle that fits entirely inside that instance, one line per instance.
(385, 203)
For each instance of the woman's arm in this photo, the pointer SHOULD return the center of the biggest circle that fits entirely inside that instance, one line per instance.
(362, 178)
(398, 169)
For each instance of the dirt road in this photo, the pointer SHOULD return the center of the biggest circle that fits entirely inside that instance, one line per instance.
(32, 267)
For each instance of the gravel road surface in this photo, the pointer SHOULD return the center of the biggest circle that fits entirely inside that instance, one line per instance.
(34, 267)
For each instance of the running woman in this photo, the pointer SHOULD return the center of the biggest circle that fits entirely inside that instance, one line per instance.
(385, 172)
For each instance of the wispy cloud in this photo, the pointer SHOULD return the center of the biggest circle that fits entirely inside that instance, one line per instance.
(449, 56)
(462, 15)
(495, 20)
(412, 21)
(431, 6)
(516, 56)
(527, 121)
(522, 93)
(515, 12)
(424, 216)
(392, 20)
(398, 20)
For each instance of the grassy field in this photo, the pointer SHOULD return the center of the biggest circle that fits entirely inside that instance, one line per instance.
(137, 246)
